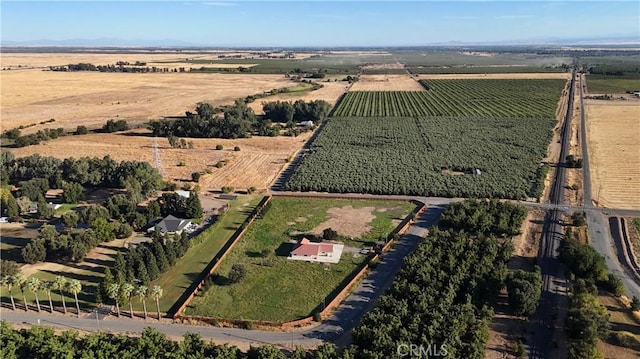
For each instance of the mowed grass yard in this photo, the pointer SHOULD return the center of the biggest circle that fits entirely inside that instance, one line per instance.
(178, 278)
(278, 289)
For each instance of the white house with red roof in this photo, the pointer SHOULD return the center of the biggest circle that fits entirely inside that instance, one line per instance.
(305, 250)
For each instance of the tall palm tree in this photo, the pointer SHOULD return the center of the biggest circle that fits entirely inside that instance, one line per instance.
(127, 291)
(46, 286)
(113, 291)
(9, 282)
(21, 281)
(156, 293)
(34, 286)
(75, 287)
(141, 292)
(59, 284)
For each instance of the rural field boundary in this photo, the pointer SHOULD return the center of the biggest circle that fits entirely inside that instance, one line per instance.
(215, 262)
(324, 309)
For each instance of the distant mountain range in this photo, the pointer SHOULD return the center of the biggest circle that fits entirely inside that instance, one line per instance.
(117, 42)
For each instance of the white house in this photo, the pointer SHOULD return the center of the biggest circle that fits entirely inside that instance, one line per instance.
(171, 225)
(305, 250)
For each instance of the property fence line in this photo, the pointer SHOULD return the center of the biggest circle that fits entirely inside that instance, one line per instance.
(215, 262)
(323, 310)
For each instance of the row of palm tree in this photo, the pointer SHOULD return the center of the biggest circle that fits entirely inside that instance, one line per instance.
(127, 291)
(35, 285)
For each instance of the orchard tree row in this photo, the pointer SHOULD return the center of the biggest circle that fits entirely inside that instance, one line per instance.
(444, 292)
(429, 156)
(476, 98)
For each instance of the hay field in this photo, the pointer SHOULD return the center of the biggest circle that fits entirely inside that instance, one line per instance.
(386, 83)
(330, 93)
(524, 75)
(92, 98)
(613, 130)
(257, 164)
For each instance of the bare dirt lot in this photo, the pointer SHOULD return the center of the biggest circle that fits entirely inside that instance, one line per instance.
(613, 130)
(92, 98)
(550, 75)
(348, 221)
(257, 164)
(386, 83)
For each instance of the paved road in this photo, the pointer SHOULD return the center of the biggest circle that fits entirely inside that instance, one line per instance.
(336, 328)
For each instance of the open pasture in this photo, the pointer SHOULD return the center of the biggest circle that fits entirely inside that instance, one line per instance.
(278, 289)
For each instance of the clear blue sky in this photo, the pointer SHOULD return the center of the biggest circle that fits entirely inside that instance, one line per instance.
(317, 23)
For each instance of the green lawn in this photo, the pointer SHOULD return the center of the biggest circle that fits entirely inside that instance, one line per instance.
(178, 278)
(278, 289)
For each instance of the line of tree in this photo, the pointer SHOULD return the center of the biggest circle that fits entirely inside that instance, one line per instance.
(60, 284)
(442, 296)
(118, 67)
(43, 342)
(53, 133)
(300, 110)
(143, 263)
(238, 121)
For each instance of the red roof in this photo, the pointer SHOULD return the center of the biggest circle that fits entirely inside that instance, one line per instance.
(305, 247)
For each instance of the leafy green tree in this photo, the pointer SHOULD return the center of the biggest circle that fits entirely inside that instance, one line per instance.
(266, 351)
(59, 284)
(70, 219)
(9, 206)
(81, 130)
(34, 188)
(73, 192)
(74, 286)
(34, 252)
(90, 214)
(524, 289)
(237, 273)
(151, 263)
(103, 230)
(161, 256)
(583, 260)
(44, 211)
(635, 304)
(8, 268)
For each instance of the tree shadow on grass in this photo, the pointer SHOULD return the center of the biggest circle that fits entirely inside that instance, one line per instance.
(284, 249)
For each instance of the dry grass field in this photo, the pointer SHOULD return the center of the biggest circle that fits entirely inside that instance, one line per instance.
(257, 164)
(550, 75)
(92, 98)
(386, 83)
(613, 130)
